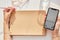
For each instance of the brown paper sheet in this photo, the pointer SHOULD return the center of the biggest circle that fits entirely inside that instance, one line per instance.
(27, 23)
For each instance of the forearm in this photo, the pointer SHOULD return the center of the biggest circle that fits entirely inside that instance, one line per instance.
(7, 14)
(6, 31)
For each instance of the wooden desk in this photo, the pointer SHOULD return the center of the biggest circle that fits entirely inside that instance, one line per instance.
(27, 23)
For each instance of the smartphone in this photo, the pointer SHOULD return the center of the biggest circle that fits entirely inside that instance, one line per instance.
(51, 18)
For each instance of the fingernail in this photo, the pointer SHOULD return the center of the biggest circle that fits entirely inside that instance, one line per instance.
(13, 9)
(8, 10)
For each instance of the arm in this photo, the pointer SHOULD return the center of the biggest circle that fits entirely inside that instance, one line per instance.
(6, 32)
(7, 15)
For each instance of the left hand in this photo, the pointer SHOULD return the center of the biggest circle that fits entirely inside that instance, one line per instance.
(7, 13)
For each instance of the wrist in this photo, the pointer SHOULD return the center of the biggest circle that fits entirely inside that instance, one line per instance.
(55, 38)
(55, 35)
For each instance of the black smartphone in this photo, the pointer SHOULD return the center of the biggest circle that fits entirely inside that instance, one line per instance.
(51, 18)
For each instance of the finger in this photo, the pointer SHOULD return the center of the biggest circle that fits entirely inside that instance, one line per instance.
(58, 18)
(57, 24)
(55, 32)
(8, 10)
(5, 9)
(11, 10)
(58, 21)
(45, 16)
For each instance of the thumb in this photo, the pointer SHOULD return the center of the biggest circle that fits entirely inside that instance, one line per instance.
(45, 16)
(10, 10)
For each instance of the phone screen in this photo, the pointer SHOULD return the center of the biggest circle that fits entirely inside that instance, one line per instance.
(51, 18)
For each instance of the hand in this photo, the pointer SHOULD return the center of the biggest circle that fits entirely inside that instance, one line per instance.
(56, 30)
(7, 13)
(55, 33)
